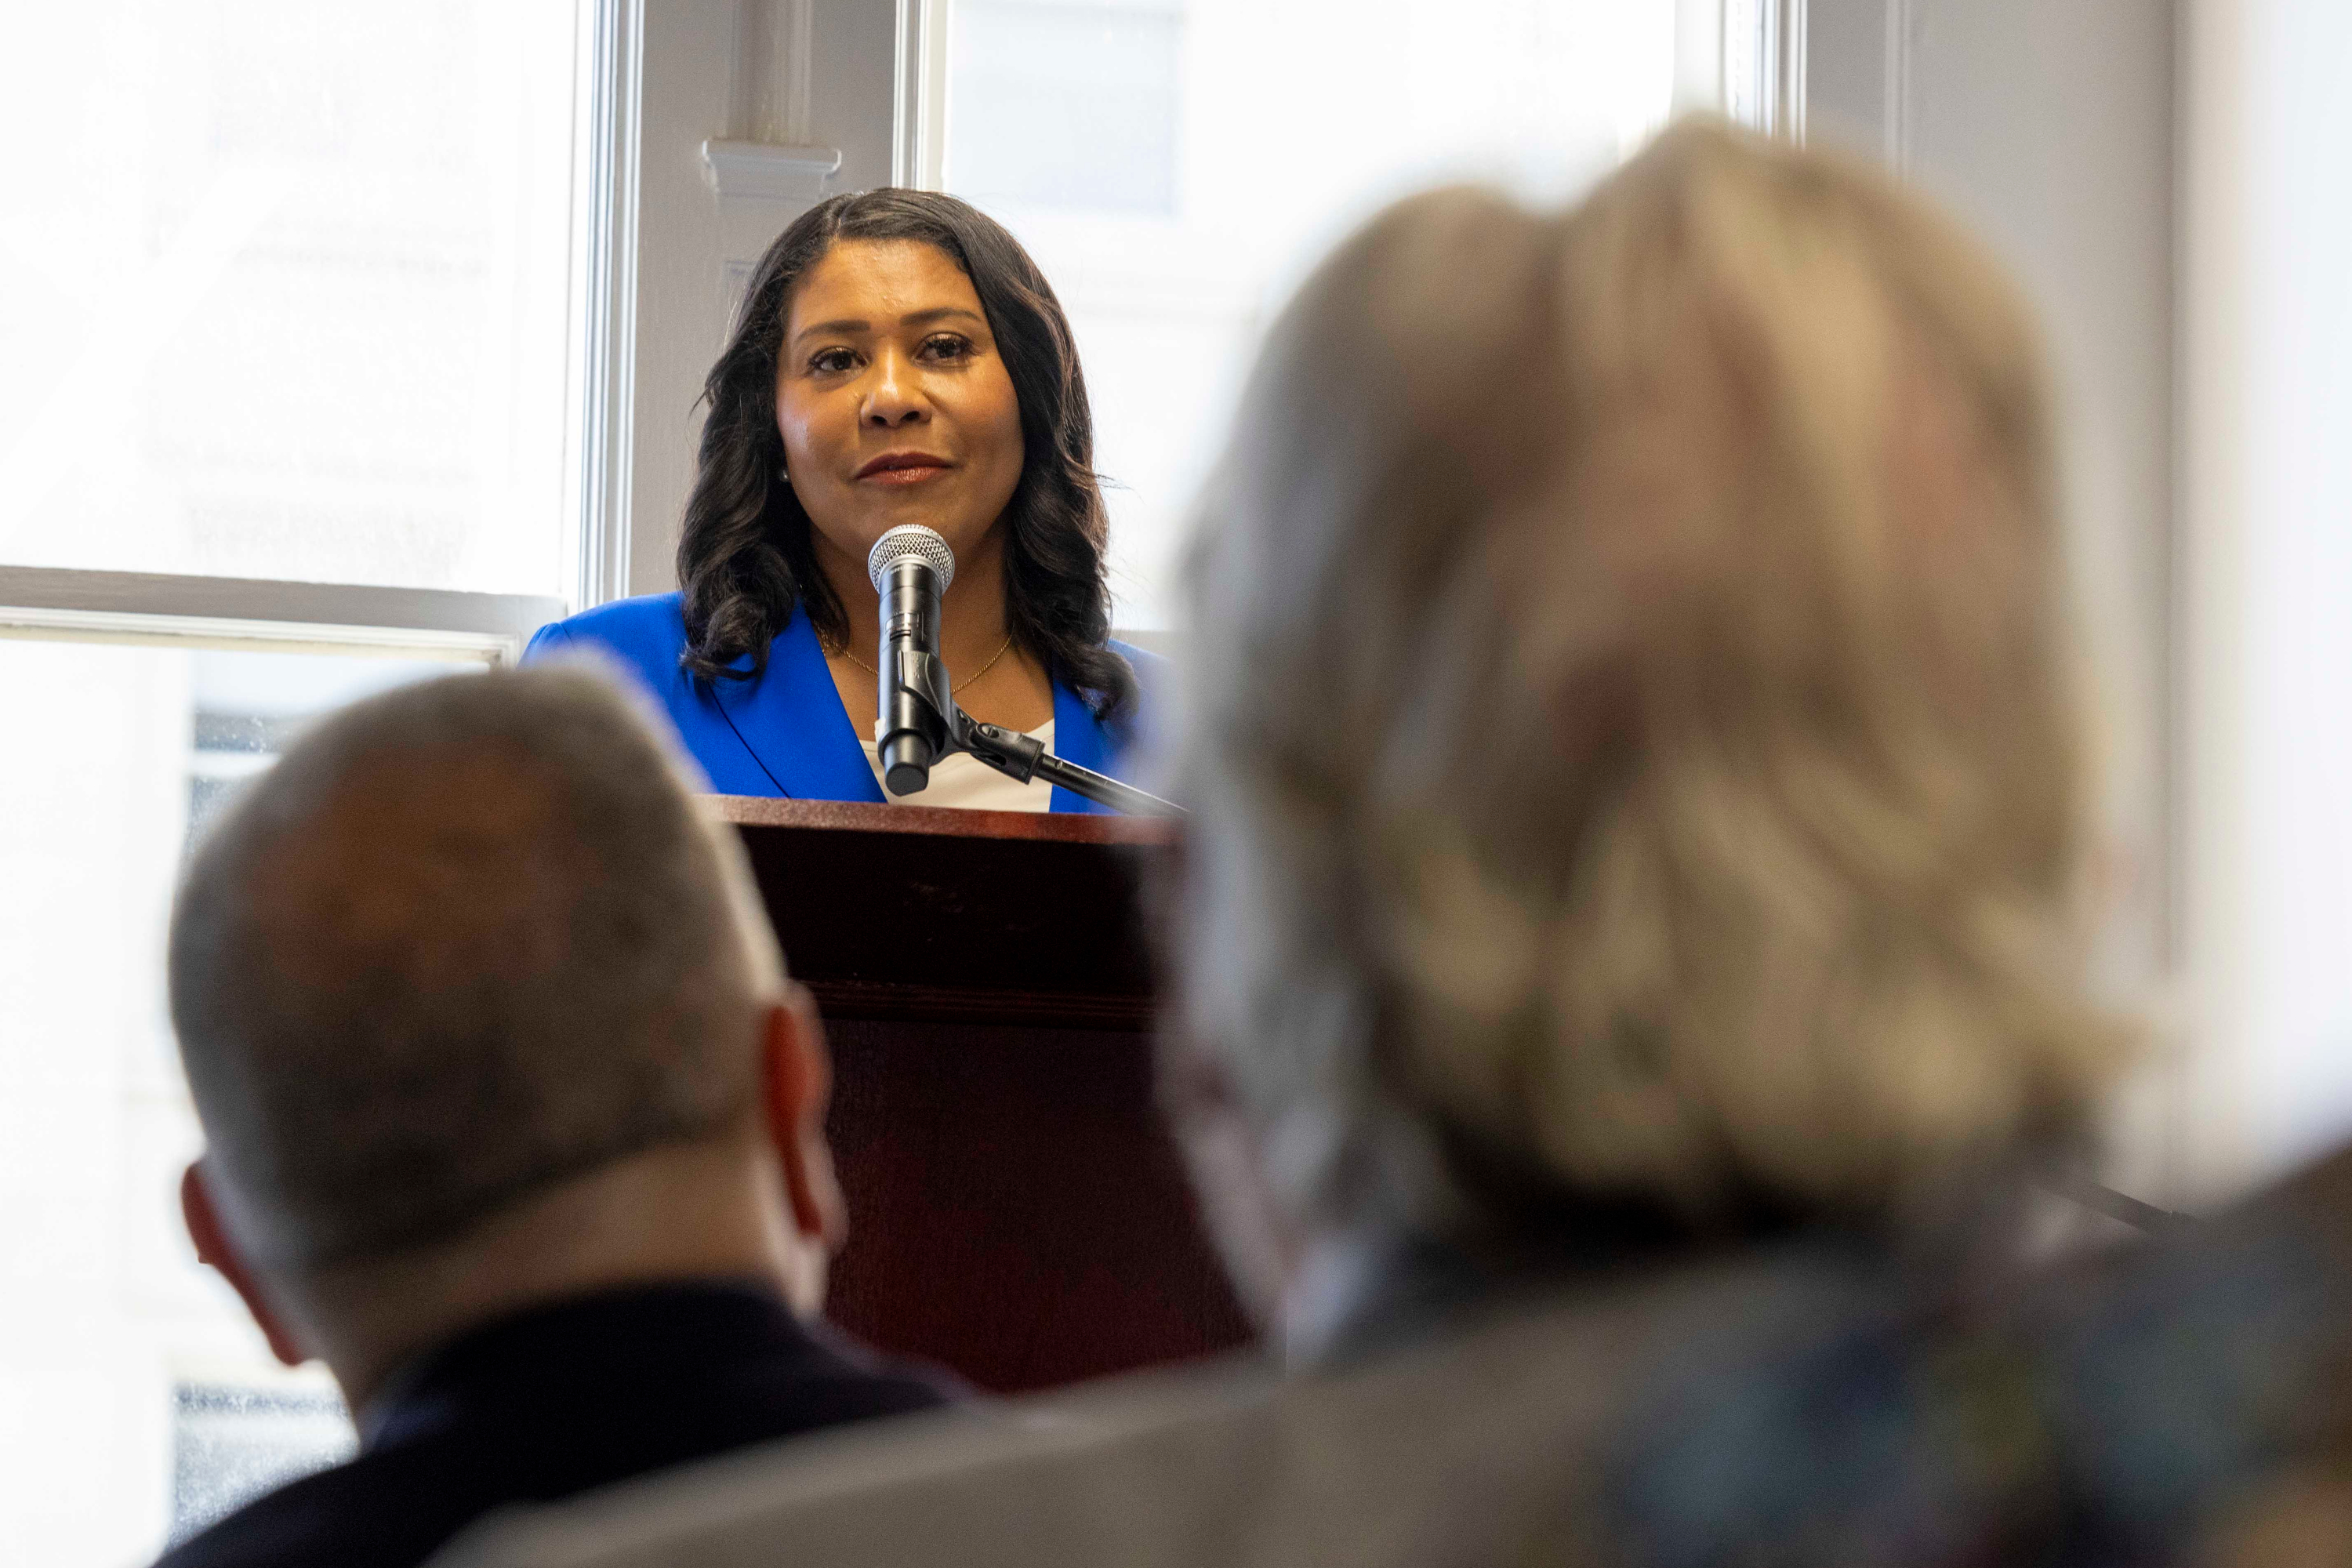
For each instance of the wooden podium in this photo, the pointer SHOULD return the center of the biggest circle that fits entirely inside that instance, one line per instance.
(1017, 1210)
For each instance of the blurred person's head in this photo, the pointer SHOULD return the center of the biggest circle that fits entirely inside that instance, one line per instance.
(1634, 747)
(478, 1009)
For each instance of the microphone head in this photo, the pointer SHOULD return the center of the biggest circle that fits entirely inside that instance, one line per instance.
(911, 540)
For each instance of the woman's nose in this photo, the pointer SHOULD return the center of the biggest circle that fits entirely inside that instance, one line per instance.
(891, 399)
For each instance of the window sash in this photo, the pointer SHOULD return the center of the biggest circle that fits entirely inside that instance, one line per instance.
(60, 603)
(605, 240)
(76, 603)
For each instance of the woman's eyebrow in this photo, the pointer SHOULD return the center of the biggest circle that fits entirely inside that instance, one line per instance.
(911, 319)
(843, 325)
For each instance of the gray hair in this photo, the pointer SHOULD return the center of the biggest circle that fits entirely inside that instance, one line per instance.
(468, 939)
(1633, 747)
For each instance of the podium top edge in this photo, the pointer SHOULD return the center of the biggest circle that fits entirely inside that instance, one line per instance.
(865, 816)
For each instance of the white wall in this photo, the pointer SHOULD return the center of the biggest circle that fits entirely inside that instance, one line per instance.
(2267, 533)
(2170, 182)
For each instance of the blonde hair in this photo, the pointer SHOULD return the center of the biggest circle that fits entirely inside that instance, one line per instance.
(1634, 736)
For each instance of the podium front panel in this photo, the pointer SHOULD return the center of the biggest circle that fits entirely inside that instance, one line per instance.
(1018, 1211)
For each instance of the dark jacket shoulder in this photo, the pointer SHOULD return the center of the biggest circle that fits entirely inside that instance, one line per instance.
(558, 1401)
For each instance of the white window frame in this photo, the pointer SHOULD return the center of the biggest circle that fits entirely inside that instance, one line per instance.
(784, 101)
(920, 142)
(61, 605)
(1746, 60)
(607, 164)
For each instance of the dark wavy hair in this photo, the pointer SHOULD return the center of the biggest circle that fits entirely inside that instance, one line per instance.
(744, 554)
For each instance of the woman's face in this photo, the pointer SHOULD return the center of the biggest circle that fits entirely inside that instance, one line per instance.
(892, 402)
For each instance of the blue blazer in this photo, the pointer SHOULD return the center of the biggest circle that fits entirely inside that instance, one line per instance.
(784, 732)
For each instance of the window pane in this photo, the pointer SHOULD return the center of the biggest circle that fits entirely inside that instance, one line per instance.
(1175, 165)
(1072, 106)
(137, 1401)
(283, 289)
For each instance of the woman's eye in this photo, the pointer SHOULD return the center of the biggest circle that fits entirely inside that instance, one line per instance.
(947, 345)
(831, 362)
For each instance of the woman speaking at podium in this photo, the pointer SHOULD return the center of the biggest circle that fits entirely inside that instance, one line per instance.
(897, 359)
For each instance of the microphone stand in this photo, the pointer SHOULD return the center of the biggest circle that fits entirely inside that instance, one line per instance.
(923, 684)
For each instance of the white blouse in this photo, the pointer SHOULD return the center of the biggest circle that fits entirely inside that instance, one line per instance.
(965, 781)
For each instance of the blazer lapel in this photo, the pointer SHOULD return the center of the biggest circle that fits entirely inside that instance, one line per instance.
(791, 719)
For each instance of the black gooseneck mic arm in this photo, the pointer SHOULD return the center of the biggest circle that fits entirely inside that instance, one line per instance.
(1024, 757)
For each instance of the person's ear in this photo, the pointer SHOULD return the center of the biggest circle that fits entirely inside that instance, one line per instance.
(217, 1251)
(798, 1082)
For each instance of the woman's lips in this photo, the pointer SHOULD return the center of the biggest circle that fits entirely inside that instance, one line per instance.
(909, 476)
(902, 468)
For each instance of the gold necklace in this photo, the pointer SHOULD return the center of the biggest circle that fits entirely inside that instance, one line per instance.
(958, 687)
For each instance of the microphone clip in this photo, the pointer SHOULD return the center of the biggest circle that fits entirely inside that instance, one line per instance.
(920, 721)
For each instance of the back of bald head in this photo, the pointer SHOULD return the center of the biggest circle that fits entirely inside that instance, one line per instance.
(468, 940)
